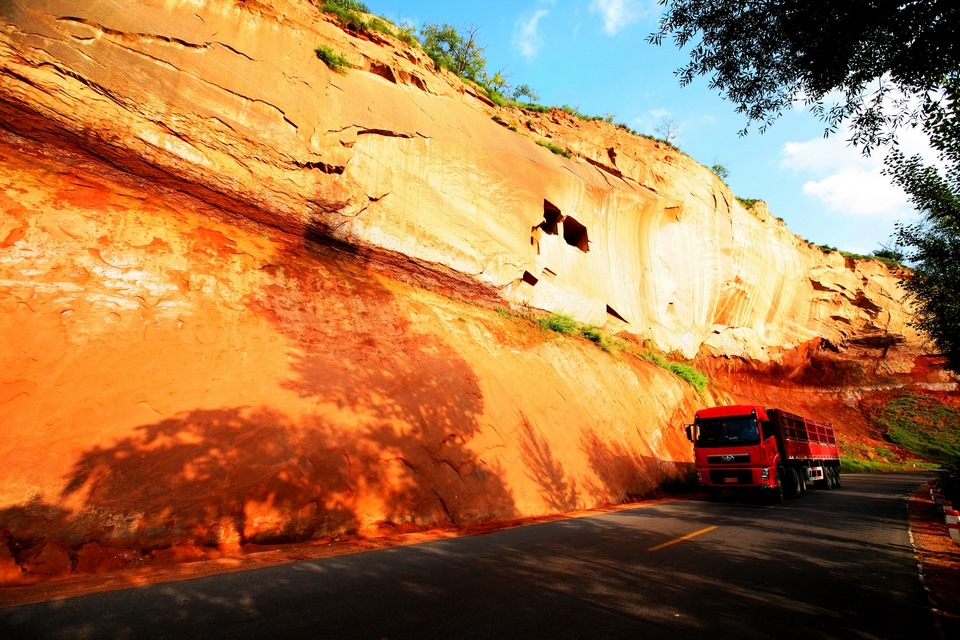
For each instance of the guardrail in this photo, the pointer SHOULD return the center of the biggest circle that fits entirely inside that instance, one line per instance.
(950, 515)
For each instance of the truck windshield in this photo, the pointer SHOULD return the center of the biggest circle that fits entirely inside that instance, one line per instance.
(722, 432)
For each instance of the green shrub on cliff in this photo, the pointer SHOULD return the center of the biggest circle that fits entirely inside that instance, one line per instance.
(562, 323)
(407, 33)
(347, 13)
(720, 171)
(346, 5)
(381, 25)
(592, 334)
(554, 148)
(450, 49)
(603, 340)
(333, 59)
(559, 322)
(696, 379)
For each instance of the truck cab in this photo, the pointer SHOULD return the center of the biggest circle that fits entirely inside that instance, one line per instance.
(736, 448)
(749, 447)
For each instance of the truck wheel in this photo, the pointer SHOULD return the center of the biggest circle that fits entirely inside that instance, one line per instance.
(794, 482)
(776, 494)
(827, 482)
(836, 477)
(802, 474)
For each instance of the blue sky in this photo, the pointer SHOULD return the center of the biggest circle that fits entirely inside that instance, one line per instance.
(593, 55)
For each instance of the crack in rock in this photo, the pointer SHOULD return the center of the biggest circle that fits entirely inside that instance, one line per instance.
(384, 132)
(323, 167)
(135, 37)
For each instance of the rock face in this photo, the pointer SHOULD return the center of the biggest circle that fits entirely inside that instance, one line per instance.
(229, 102)
(238, 291)
(171, 378)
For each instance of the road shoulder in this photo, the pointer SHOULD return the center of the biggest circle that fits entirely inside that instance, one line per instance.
(939, 559)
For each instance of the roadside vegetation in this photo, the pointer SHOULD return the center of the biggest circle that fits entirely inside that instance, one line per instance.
(564, 324)
(696, 379)
(924, 426)
(861, 458)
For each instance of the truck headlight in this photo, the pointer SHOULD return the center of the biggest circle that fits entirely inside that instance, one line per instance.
(765, 473)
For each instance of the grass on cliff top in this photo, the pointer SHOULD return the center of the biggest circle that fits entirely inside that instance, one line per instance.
(347, 13)
(828, 249)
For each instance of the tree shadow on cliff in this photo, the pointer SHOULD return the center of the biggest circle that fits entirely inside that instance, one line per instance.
(627, 475)
(360, 350)
(623, 475)
(231, 476)
(31, 522)
(213, 477)
(386, 444)
(545, 470)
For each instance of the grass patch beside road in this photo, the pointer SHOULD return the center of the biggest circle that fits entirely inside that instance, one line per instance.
(922, 424)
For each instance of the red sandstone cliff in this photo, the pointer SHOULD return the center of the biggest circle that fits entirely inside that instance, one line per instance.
(244, 298)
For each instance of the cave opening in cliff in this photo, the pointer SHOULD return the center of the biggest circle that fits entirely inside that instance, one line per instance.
(551, 218)
(575, 234)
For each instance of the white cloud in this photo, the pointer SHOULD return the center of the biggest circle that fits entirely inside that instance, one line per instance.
(526, 37)
(859, 191)
(618, 14)
(844, 180)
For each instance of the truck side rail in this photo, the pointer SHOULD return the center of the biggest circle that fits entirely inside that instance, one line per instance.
(806, 438)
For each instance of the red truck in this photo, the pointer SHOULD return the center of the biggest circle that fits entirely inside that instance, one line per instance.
(749, 447)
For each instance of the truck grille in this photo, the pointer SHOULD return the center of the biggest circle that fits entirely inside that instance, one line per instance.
(736, 458)
(733, 476)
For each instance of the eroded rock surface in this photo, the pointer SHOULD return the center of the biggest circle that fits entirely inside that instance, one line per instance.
(170, 378)
(228, 101)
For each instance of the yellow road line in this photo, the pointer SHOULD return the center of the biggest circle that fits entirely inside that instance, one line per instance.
(682, 538)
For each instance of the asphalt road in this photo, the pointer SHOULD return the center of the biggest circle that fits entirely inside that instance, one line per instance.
(833, 564)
